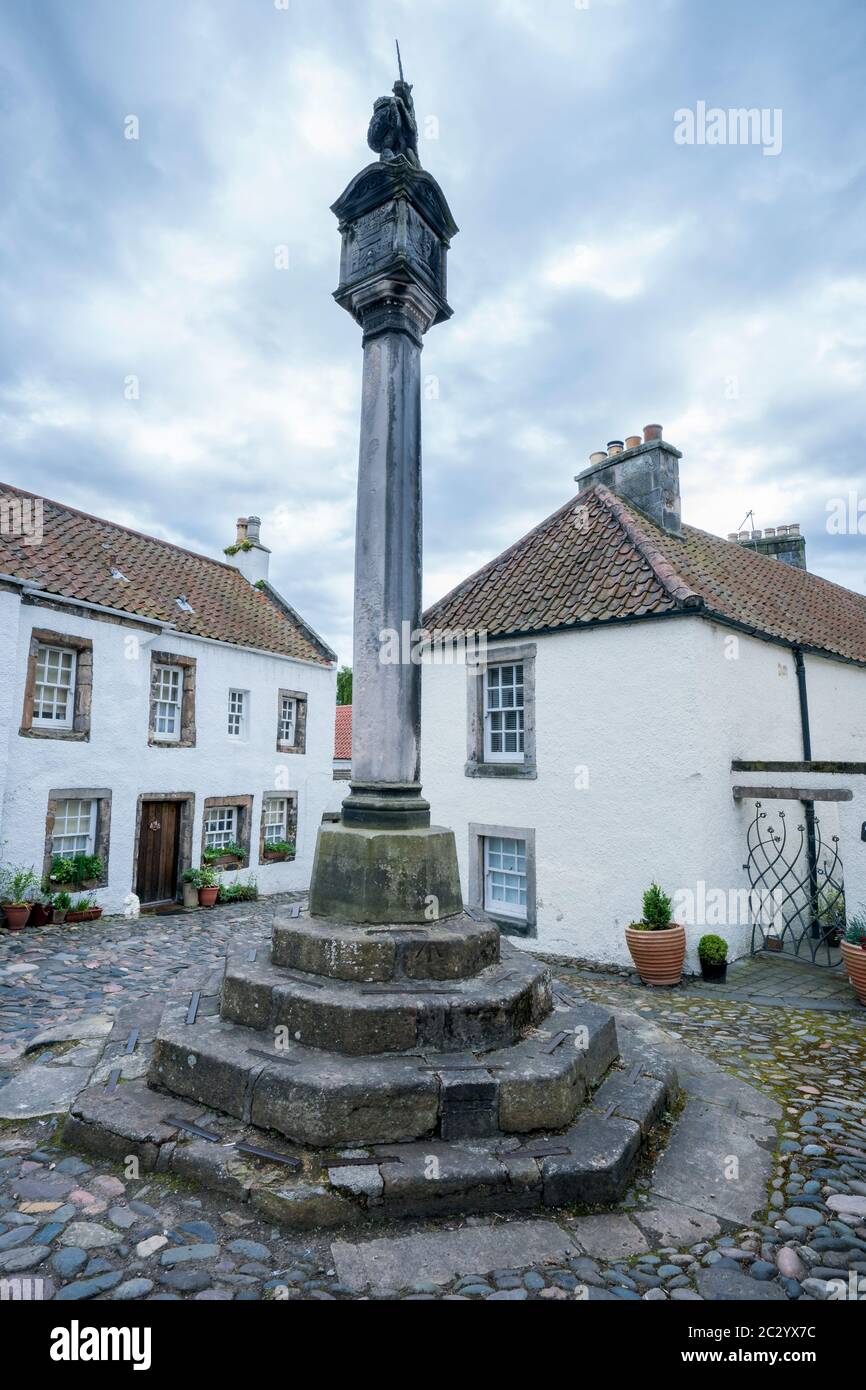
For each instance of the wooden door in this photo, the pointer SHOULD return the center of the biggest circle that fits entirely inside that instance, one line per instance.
(158, 842)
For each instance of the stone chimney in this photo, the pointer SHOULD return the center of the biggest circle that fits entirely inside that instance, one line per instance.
(779, 542)
(643, 471)
(248, 554)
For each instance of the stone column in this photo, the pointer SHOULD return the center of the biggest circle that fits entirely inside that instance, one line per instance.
(386, 686)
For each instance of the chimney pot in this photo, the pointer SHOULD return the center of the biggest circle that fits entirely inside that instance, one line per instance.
(254, 526)
(769, 530)
(651, 432)
(242, 529)
(744, 536)
(598, 456)
(633, 442)
(794, 529)
(615, 446)
(733, 535)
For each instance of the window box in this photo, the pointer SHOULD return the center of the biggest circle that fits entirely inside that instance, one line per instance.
(77, 838)
(226, 832)
(501, 714)
(279, 827)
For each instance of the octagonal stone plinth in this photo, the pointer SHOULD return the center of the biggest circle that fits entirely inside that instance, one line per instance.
(450, 950)
(363, 874)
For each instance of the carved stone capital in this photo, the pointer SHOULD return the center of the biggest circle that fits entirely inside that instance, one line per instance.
(386, 305)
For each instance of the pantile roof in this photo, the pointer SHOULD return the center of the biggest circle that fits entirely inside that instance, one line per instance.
(600, 559)
(77, 553)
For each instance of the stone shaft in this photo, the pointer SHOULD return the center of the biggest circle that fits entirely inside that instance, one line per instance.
(386, 692)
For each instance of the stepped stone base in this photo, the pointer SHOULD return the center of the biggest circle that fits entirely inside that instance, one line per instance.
(408, 1072)
(591, 1162)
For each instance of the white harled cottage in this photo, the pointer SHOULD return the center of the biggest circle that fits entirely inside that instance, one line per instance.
(643, 682)
(155, 703)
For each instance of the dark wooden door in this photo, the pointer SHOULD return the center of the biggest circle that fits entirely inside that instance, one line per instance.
(157, 851)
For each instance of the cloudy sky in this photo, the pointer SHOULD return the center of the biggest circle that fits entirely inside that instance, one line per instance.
(604, 277)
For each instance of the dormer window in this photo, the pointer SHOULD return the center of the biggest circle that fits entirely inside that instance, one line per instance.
(184, 605)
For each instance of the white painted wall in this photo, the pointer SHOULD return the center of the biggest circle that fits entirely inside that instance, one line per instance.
(656, 712)
(117, 754)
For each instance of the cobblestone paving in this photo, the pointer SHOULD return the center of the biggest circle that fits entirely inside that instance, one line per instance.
(87, 1230)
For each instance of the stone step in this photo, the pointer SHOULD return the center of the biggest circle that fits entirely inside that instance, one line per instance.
(449, 950)
(591, 1162)
(492, 1008)
(324, 1098)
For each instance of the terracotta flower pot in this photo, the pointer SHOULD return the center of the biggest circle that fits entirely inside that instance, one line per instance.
(16, 916)
(207, 896)
(855, 963)
(658, 955)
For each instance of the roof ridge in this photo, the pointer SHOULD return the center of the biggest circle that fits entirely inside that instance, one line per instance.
(118, 526)
(673, 583)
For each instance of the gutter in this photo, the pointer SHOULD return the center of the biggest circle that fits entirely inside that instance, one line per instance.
(28, 591)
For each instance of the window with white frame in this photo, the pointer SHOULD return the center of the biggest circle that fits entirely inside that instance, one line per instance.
(505, 876)
(168, 695)
(220, 826)
(74, 828)
(54, 689)
(237, 714)
(503, 713)
(275, 820)
(288, 718)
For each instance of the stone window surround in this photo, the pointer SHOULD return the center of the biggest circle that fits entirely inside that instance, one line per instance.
(243, 822)
(300, 699)
(184, 845)
(83, 689)
(476, 766)
(291, 827)
(512, 926)
(187, 701)
(102, 837)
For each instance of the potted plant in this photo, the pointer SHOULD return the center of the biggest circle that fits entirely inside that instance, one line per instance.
(244, 892)
(229, 856)
(191, 885)
(61, 903)
(84, 910)
(657, 945)
(276, 851)
(713, 955)
(16, 895)
(40, 908)
(208, 886)
(854, 953)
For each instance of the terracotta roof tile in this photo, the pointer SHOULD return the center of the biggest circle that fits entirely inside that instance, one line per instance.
(343, 732)
(75, 557)
(611, 562)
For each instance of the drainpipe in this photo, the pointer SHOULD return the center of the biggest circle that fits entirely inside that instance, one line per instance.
(811, 837)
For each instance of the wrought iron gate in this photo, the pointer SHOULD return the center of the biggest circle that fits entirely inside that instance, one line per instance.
(797, 898)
